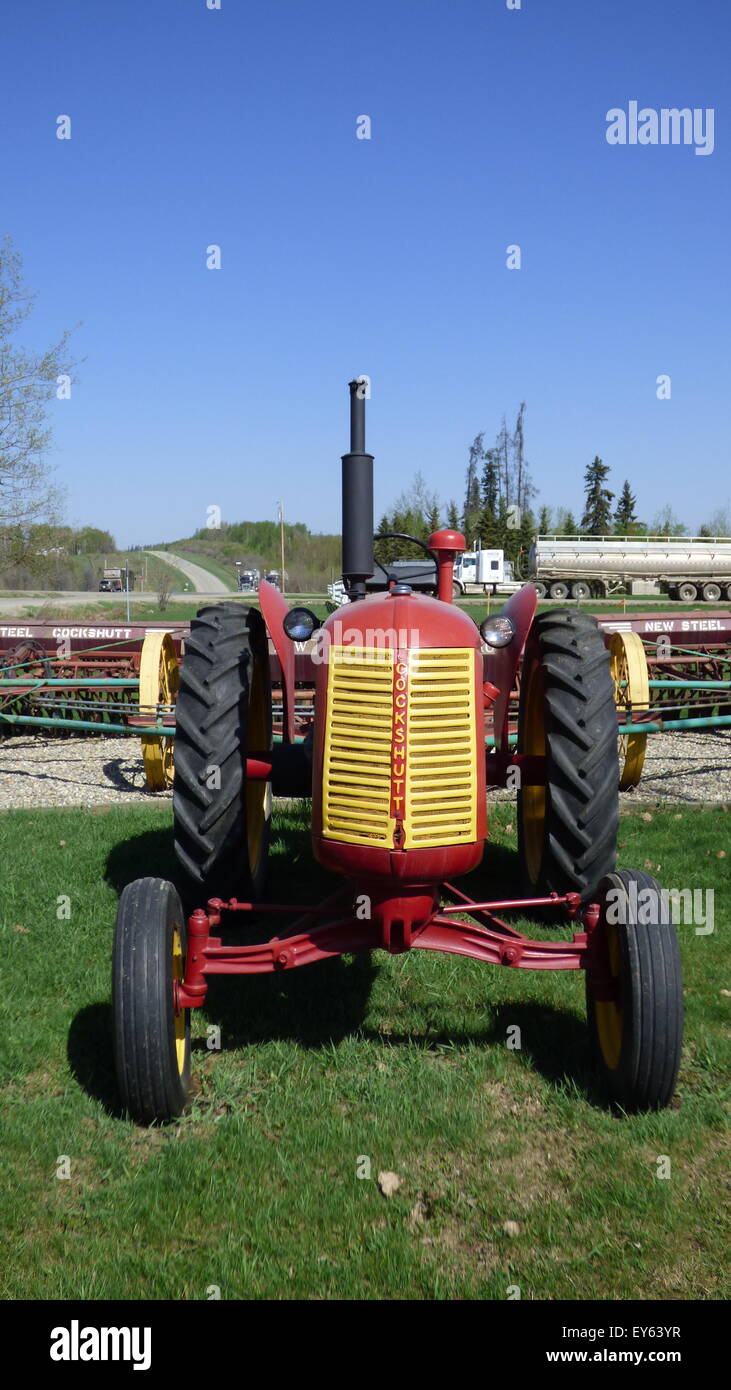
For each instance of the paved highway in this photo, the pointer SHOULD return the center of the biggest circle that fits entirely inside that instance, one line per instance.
(202, 580)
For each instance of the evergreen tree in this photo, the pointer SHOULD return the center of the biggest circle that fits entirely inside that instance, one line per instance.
(453, 522)
(567, 525)
(411, 515)
(544, 521)
(433, 523)
(625, 517)
(502, 536)
(490, 483)
(490, 496)
(526, 536)
(597, 518)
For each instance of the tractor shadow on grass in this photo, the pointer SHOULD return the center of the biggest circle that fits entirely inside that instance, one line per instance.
(555, 1045)
(312, 1007)
(89, 1046)
(90, 1055)
(309, 1007)
(148, 855)
(329, 1002)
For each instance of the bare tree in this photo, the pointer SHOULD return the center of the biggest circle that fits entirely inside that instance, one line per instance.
(719, 524)
(502, 446)
(28, 382)
(666, 523)
(164, 590)
(518, 448)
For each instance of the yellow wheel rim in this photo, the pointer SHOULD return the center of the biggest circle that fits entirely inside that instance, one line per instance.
(534, 798)
(181, 1042)
(258, 793)
(159, 682)
(628, 665)
(609, 1013)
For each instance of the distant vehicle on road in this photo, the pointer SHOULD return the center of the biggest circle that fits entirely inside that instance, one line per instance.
(111, 581)
(247, 580)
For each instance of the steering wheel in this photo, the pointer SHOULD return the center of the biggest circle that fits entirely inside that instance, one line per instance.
(402, 536)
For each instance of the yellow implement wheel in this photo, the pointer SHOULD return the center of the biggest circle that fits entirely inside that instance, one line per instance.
(628, 665)
(159, 681)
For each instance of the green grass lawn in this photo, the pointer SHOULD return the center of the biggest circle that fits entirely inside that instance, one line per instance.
(183, 610)
(401, 1060)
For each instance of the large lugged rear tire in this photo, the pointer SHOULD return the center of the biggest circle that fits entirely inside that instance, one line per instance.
(634, 993)
(567, 829)
(151, 1041)
(223, 711)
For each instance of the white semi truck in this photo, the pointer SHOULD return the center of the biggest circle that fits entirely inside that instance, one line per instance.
(582, 567)
(684, 567)
(475, 572)
(484, 572)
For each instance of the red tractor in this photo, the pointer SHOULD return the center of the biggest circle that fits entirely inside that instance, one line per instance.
(398, 772)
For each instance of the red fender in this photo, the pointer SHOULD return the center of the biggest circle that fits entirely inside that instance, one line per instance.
(274, 609)
(502, 663)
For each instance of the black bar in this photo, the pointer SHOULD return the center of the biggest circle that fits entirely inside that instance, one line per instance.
(357, 543)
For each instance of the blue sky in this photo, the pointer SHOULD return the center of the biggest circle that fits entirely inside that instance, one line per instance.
(385, 256)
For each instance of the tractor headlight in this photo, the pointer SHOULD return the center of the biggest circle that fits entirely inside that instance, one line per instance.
(300, 623)
(497, 632)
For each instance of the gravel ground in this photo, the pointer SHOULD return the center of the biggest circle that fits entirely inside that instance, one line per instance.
(693, 767)
(38, 771)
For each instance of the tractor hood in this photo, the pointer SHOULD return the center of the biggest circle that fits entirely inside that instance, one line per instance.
(398, 621)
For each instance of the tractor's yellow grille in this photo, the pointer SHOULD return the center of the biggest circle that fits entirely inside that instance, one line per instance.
(441, 760)
(357, 771)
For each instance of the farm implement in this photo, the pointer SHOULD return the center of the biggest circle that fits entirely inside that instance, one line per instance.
(398, 771)
(100, 679)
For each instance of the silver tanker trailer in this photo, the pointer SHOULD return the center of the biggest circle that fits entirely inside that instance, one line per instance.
(684, 567)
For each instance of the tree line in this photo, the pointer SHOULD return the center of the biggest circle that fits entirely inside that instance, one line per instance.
(498, 508)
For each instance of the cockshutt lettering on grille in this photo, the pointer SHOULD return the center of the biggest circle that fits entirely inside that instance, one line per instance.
(398, 748)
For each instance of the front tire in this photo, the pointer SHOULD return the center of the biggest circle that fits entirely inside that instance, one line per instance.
(567, 828)
(223, 712)
(151, 1041)
(634, 993)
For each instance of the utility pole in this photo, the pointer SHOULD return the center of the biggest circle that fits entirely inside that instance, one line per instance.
(126, 584)
(281, 540)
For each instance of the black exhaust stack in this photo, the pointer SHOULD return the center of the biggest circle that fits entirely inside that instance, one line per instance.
(357, 500)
